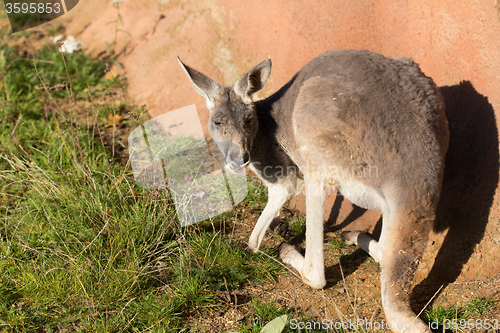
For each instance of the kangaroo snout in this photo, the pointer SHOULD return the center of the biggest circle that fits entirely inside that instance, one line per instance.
(235, 158)
(235, 162)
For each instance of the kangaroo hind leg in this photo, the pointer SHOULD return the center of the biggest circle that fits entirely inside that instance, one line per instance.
(403, 240)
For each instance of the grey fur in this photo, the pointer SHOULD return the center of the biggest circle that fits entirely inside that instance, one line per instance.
(344, 112)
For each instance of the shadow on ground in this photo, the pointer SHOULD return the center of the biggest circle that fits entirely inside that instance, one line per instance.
(470, 181)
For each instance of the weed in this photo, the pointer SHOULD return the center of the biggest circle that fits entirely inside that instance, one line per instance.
(338, 244)
(460, 318)
(22, 92)
(226, 267)
(299, 228)
(478, 306)
(441, 313)
(257, 193)
(262, 313)
(117, 22)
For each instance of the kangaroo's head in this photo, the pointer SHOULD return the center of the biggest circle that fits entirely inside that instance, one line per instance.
(233, 120)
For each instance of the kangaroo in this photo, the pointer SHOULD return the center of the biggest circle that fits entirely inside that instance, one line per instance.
(345, 110)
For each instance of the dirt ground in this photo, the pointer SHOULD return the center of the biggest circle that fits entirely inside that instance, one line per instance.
(352, 292)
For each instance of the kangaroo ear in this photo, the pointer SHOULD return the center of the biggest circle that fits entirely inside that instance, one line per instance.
(204, 85)
(253, 81)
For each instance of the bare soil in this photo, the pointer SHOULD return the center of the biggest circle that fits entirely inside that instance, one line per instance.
(352, 292)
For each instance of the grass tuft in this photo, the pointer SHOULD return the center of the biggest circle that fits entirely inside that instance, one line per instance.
(460, 318)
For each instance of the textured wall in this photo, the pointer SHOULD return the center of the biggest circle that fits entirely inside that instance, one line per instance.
(453, 41)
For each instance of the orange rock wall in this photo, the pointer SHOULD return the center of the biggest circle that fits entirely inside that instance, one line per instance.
(452, 40)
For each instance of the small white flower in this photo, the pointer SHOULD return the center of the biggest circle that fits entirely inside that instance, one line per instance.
(70, 45)
(57, 38)
(117, 1)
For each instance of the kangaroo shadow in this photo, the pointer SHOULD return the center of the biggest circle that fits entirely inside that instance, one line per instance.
(470, 179)
(349, 263)
(469, 184)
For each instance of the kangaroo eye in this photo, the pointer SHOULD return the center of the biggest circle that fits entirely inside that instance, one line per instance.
(219, 123)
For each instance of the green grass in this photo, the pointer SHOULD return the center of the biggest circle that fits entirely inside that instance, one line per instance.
(257, 194)
(21, 80)
(338, 244)
(262, 312)
(460, 318)
(441, 313)
(82, 247)
(478, 306)
(299, 230)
